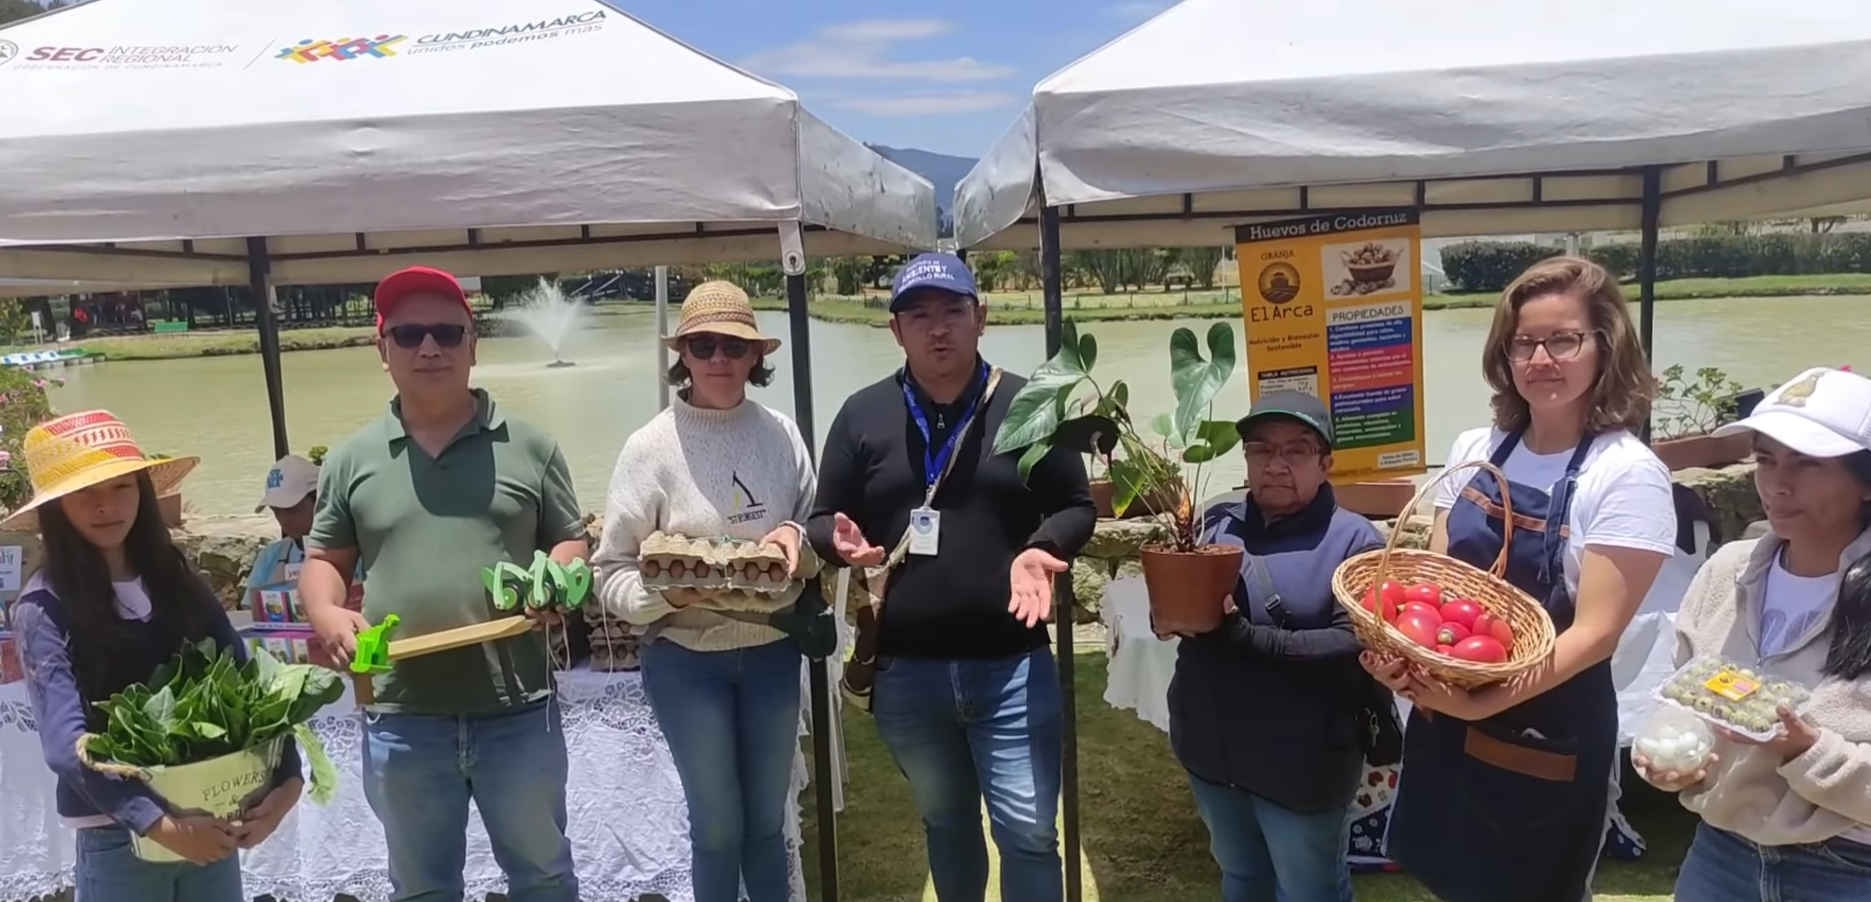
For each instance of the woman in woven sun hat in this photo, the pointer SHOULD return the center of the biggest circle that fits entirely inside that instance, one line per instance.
(1793, 812)
(725, 686)
(113, 601)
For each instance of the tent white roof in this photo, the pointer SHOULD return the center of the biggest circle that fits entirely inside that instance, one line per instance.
(1503, 116)
(485, 136)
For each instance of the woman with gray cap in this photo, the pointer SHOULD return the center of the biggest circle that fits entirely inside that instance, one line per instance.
(1792, 812)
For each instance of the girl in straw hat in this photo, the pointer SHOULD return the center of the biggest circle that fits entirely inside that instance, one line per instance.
(114, 600)
(725, 690)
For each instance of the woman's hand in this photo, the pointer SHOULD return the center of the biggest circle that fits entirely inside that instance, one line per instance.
(1031, 579)
(199, 840)
(262, 819)
(1392, 671)
(1795, 738)
(1428, 692)
(786, 537)
(1669, 780)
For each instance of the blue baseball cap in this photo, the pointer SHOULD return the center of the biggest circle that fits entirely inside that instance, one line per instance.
(942, 271)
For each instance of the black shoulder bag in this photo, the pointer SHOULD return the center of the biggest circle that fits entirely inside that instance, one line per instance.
(1380, 732)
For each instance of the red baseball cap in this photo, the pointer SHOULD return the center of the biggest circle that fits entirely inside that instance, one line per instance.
(416, 280)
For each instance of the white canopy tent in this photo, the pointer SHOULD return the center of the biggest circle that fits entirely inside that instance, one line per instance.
(488, 137)
(1508, 116)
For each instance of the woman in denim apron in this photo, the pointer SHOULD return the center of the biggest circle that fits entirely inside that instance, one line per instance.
(1502, 793)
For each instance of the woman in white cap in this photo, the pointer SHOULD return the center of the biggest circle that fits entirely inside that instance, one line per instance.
(1790, 817)
(115, 600)
(725, 688)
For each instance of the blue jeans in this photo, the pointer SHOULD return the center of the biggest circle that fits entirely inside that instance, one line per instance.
(1724, 867)
(420, 773)
(961, 730)
(1267, 852)
(732, 722)
(108, 871)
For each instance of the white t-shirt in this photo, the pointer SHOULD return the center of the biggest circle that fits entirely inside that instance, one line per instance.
(1623, 498)
(1793, 607)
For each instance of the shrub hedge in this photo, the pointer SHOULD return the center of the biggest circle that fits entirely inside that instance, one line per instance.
(1490, 265)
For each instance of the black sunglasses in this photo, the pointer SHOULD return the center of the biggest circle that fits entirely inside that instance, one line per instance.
(411, 335)
(703, 347)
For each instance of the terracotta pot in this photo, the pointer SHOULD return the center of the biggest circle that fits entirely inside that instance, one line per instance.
(1703, 451)
(1102, 492)
(1383, 498)
(1186, 589)
(171, 507)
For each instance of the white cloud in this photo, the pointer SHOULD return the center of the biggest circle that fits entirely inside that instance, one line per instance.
(861, 50)
(933, 104)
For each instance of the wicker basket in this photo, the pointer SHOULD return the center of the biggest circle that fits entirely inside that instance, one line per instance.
(1533, 628)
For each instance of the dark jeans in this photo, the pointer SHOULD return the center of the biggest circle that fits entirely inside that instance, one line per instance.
(732, 722)
(1725, 867)
(965, 730)
(420, 772)
(1267, 852)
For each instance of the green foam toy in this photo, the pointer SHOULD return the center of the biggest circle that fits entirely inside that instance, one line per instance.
(548, 584)
(506, 583)
(373, 647)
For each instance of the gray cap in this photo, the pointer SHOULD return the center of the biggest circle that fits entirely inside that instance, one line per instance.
(1290, 405)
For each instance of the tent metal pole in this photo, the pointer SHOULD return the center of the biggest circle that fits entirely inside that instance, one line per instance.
(824, 770)
(260, 281)
(1647, 268)
(662, 329)
(1054, 288)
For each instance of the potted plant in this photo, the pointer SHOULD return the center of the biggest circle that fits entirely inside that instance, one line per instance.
(317, 455)
(1688, 409)
(1185, 578)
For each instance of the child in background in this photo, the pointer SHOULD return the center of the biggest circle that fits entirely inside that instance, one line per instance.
(113, 601)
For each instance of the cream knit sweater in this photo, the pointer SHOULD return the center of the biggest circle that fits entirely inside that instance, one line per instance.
(1823, 793)
(700, 472)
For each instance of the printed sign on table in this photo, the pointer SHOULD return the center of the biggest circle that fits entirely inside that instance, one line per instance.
(1333, 306)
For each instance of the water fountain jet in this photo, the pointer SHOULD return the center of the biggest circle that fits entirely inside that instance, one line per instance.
(547, 311)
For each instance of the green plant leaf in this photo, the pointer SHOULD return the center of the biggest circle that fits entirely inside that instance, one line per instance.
(1196, 381)
(1120, 394)
(1128, 481)
(1031, 458)
(324, 775)
(1087, 351)
(1040, 404)
(1213, 440)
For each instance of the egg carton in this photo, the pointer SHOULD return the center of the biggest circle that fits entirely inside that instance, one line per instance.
(1740, 699)
(670, 561)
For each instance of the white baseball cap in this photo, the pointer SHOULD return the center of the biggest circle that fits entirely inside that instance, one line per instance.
(291, 479)
(1822, 412)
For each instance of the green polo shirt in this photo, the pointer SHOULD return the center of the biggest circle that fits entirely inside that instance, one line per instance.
(424, 528)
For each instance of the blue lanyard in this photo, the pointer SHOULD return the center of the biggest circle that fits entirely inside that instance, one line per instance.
(933, 463)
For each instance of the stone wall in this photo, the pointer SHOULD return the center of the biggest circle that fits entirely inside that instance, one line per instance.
(222, 548)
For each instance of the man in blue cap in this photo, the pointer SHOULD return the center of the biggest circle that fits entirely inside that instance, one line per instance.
(956, 662)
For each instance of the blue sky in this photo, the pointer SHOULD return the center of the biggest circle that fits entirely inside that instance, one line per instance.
(947, 77)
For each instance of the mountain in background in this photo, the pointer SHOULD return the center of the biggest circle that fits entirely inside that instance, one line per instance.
(941, 170)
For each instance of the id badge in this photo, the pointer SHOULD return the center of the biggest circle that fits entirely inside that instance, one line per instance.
(925, 531)
(290, 572)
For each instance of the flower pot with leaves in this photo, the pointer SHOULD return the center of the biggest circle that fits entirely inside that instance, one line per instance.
(1688, 409)
(1186, 578)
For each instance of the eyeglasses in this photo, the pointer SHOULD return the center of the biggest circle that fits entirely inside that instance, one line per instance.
(410, 336)
(703, 347)
(1559, 345)
(1260, 453)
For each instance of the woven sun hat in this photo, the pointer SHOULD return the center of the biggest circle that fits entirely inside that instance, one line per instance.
(719, 308)
(76, 451)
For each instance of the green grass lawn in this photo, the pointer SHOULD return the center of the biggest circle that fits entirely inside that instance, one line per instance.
(1142, 840)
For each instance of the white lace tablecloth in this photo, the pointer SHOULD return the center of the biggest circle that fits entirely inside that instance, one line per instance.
(628, 821)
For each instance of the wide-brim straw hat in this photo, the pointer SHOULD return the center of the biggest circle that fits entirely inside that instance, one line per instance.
(719, 308)
(76, 451)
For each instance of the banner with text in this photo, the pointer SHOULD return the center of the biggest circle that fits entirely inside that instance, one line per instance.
(1334, 308)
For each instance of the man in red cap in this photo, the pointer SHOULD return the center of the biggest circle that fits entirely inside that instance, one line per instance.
(440, 487)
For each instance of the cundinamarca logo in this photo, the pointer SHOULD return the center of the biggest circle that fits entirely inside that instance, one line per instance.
(8, 50)
(515, 33)
(312, 50)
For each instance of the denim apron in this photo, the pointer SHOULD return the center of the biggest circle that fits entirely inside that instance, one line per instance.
(1513, 807)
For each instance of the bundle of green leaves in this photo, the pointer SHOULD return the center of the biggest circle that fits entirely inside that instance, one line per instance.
(203, 705)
